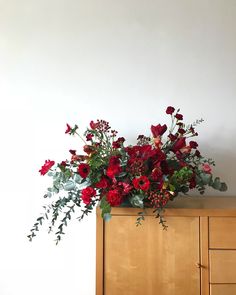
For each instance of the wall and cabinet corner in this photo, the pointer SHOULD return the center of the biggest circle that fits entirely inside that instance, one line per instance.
(196, 255)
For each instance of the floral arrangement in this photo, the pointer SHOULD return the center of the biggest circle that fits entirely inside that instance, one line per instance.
(110, 173)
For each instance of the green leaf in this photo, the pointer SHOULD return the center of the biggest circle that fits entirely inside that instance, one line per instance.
(105, 207)
(223, 187)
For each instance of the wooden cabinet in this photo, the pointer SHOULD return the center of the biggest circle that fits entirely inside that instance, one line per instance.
(196, 255)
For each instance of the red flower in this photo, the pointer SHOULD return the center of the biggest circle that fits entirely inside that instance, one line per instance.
(103, 183)
(88, 149)
(179, 117)
(193, 144)
(206, 168)
(179, 144)
(89, 136)
(68, 129)
(170, 110)
(87, 194)
(113, 170)
(73, 152)
(172, 137)
(47, 165)
(114, 198)
(158, 130)
(83, 170)
(93, 125)
(142, 183)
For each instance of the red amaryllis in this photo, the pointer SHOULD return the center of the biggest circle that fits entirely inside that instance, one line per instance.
(158, 130)
(83, 170)
(179, 144)
(87, 194)
(114, 198)
(46, 167)
(142, 183)
(89, 136)
(170, 110)
(68, 128)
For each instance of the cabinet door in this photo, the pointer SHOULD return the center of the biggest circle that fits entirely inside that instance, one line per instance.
(149, 260)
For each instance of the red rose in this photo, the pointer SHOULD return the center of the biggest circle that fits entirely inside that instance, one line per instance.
(83, 170)
(114, 198)
(179, 144)
(103, 183)
(48, 164)
(179, 117)
(68, 129)
(158, 130)
(193, 144)
(142, 183)
(170, 110)
(87, 194)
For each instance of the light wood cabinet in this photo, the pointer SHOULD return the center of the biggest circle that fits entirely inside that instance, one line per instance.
(196, 255)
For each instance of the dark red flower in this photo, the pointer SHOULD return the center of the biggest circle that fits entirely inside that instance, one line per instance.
(172, 137)
(197, 154)
(181, 130)
(83, 170)
(179, 117)
(170, 110)
(89, 136)
(193, 144)
(68, 129)
(158, 130)
(103, 183)
(47, 165)
(73, 152)
(88, 149)
(87, 194)
(63, 163)
(114, 198)
(142, 183)
(179, 144)
(93, 125)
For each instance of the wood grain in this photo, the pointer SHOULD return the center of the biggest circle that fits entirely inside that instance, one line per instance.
(204, 245)
(223, 289)
(223, 266)
(99, 254)
(222, 232)
(148, 260)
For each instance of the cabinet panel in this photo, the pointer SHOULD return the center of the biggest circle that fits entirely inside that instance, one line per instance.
(149, 260)
(223, 266)
(223, 289)
(222, 232)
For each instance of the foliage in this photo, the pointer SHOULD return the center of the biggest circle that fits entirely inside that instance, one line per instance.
(149, 174)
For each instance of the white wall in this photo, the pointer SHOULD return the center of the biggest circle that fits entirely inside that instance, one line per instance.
(124, 61)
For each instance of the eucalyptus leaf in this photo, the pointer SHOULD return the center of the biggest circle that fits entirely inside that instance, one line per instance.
(137, 201)
(70, 185)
